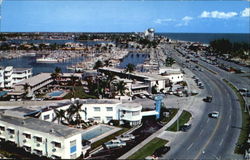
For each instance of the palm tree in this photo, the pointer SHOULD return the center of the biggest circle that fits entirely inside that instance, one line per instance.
(74, 111)
(73, 83)
(121, 87)
(56, 74)
(169, 61)
(26, 89)
(98, 64)
(60, 115)
(130, 68)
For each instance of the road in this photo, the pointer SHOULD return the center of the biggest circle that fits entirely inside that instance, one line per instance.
(217, 137)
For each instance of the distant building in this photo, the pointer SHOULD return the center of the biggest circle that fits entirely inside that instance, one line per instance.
(10, 76)
(149, 34)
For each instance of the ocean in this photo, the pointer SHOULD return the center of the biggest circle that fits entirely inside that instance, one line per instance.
(207, 37)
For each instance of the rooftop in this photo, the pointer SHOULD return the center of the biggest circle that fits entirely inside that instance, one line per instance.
(36, 79)
(41, 126)
(21, 69)
(130, 105)
(8, 68)
(100, 101)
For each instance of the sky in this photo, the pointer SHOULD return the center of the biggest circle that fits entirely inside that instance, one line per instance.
(125, 16)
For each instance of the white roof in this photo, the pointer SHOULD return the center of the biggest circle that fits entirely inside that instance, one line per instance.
(35, 79)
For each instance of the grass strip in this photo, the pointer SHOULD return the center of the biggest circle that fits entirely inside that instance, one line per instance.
(148, 149)
(108, 138)
(79, 93)
(208, 69)
(172, 113)
(242, 144)
(184, 118)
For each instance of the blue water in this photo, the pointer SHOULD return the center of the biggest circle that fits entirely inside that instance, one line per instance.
(90, 43)
(134, 58)
(95, 132)
(2, 93)
(30, 62)
(207, 37)
(56, 93)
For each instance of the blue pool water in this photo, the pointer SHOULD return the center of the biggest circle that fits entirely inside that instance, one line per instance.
(56, 93)
(95, 132)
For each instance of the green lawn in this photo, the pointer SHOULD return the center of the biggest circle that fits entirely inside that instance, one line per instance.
(245, 129)
(79, 93)
(172, 113)
(184, 118)
(108, 138)
(148, 149)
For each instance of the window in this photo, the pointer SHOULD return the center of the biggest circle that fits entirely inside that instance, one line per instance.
(38, 139)
(2, 128)
(73, 156)
(109, 118)
(97, 109)
(72, 146)
(97, 118)
(27, 135)
(38, 152)
(11, 131)
(135, 113)
(46, 117)
(109, 108)
(56, 144)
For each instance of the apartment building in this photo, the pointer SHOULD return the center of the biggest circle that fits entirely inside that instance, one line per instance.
(40, 137)
(10, 76)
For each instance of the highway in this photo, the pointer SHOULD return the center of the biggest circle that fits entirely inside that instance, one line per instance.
(210, 138)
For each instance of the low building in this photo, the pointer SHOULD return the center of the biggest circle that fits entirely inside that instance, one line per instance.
(40, 137)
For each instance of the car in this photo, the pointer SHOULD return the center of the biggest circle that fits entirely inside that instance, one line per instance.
(243, 90)
(208, 99)
(185, 127)
(161, 151)
(201, 87)
(115, 143)
(214, 114)
(126, 137)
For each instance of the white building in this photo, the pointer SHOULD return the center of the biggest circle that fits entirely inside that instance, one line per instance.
(40, 137)
(20, 74)
(10, 76)
(173, 74)
(1, 77)
(149, 34)
(101, 110)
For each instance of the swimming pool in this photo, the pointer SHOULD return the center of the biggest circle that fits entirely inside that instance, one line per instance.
(96, 132)
(56, 93)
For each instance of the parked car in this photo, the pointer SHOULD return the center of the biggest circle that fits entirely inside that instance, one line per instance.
(115, 143)
(185, 127)
(214, 114)
(243, 90)
(208, 99)
(161, 151)
(126, 137)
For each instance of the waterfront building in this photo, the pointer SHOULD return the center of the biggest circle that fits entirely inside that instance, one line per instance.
(10, 76)
(40, 137)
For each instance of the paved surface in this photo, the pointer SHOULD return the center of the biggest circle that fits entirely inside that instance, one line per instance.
(217, 137)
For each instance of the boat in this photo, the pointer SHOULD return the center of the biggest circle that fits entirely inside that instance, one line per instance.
(46, 60)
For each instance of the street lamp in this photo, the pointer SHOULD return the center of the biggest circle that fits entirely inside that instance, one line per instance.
(203, 153)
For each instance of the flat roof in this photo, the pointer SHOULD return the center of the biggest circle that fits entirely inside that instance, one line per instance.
(130, 105)
(32, 81)
(21, 69)
(18, 112)
(8, 68)
(41, 126)
(100, 101)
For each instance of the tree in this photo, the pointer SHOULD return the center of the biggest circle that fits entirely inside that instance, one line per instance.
(130, 68)
(74, 113)
(169, 61)
(98, 64)
(26, 89)
(56, 74)
(73, 83)
(60, 115)
(121, 87)
(154, 89)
